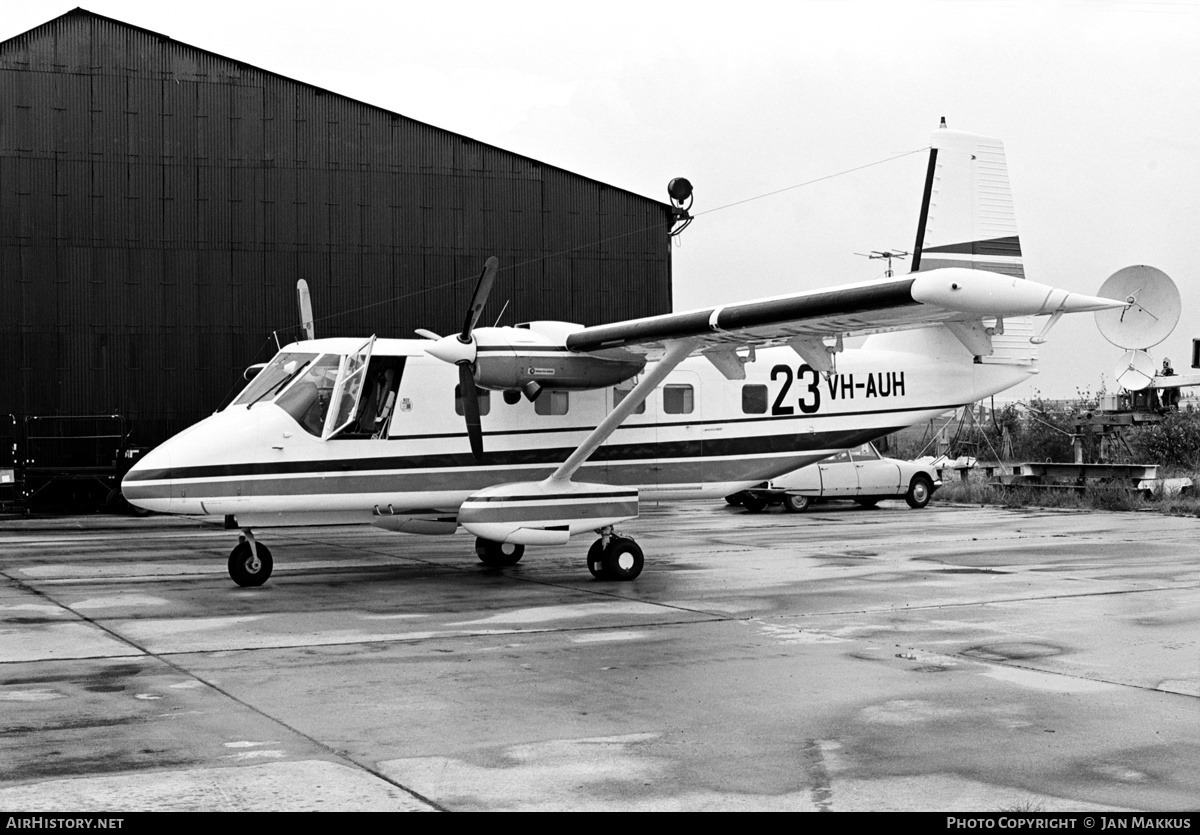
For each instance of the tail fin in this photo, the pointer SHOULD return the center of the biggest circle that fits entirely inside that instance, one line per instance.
(967, 217)
(967, 220)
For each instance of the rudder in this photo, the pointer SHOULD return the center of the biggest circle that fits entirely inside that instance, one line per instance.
(967, 217)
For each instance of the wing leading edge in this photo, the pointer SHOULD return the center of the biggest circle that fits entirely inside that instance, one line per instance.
(949, 295)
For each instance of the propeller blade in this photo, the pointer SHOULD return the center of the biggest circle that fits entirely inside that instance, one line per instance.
(306, 313)
(482, 290)
(427, 334)
(470, 400)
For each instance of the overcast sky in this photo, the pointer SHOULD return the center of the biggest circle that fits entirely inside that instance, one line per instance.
(1098, 104)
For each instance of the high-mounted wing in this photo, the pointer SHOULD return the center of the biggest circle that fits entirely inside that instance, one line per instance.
(952, 296)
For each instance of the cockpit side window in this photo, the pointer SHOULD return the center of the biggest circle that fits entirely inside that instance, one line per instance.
(268, 382)
(378, 401)
(307, 399)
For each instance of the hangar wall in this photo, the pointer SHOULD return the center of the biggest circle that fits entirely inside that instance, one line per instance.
(158, 203)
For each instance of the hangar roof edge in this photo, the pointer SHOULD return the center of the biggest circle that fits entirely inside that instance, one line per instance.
(79, 11)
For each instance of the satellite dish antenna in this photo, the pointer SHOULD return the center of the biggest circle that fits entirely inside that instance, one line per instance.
(1152, 307)
(1134, 370)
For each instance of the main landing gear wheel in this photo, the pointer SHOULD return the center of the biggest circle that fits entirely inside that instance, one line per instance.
(623, 559)
(920, 491)
(595, 560)
(796, 504)
(498, 554)
(245, 569)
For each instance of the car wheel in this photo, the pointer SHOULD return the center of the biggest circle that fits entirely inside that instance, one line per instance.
(754, 504)
(796, 504)
(920, 491)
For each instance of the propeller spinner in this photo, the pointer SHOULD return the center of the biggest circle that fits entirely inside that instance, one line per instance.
(461, 350)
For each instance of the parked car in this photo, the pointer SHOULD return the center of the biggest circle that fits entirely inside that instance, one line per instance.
(860, 474)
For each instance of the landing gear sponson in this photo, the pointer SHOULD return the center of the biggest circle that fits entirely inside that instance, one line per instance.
(611, 557)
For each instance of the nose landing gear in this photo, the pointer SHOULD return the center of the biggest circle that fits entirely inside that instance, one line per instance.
(250, 562)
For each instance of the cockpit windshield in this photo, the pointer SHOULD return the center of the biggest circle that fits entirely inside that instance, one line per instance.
(307, 400)
(272, 379)
(330, 395)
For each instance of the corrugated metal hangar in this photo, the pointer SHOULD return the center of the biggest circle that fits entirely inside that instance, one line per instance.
(158, 203)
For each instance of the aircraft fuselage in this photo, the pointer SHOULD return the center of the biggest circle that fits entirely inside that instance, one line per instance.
(699, 435)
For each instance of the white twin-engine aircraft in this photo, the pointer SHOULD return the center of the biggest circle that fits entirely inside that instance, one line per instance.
(566, 426)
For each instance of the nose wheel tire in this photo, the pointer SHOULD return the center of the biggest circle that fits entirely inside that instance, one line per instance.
(245, 569)
(498, 554)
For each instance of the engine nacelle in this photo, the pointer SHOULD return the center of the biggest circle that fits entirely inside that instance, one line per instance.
(510, 359)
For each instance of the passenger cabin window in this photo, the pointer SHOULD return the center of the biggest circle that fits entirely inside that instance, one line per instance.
(485, 401)
(754, 400)
(552, 403)
(621, 394)
(678, 399)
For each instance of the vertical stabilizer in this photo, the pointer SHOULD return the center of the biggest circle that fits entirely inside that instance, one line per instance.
(967, 220)
(967, 217)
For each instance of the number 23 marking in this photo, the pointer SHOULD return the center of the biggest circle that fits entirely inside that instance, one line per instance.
(807, 376)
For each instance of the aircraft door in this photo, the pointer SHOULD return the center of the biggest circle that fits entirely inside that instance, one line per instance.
(343, 404)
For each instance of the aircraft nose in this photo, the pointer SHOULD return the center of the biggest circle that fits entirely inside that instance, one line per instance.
(148, 483)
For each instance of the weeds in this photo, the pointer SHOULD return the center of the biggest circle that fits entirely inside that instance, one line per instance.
(1042, 431)
(979, 489)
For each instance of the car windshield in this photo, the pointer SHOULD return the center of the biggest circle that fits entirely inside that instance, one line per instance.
(865, 452)
(271, 380)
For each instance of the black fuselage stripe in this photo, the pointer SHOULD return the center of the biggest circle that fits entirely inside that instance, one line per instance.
(700, 448)
(502, 433)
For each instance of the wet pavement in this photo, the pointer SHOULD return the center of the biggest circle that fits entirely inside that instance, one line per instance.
(954, 658)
